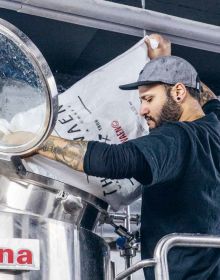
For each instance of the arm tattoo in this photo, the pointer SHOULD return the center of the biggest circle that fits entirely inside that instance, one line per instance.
(68, 152)
(206, 95)
(73, 154)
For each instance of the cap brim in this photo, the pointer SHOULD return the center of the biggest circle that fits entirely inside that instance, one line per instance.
(135, 85)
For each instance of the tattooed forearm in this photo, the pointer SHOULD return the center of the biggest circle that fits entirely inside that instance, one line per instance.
(68, 152)
(206, 95)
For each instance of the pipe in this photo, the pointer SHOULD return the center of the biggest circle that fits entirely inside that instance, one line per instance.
(120, 217)
(182, 240)
(123, 19)
(162, 249)
(135, 267)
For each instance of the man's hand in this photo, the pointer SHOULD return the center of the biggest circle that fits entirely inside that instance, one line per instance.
(206, 95)
(164, 47)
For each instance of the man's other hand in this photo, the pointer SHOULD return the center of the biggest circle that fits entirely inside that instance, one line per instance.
(164, 47)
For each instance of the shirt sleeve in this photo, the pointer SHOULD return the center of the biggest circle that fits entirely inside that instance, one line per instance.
(212, 106)
(166, 150)
(116, 162)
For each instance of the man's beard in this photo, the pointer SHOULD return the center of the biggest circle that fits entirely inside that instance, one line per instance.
(171, 110)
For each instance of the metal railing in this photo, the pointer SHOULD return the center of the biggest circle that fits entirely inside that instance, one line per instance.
(123, 19)
(161, 251)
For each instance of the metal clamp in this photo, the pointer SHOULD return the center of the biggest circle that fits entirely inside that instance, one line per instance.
(121, 217)
(19, 166)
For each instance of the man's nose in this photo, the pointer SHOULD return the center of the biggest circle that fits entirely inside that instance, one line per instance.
(144, 110)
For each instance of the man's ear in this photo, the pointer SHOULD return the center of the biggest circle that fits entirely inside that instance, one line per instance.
(179, 92)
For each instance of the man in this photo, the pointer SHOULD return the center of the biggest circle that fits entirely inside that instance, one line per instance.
(178, 163)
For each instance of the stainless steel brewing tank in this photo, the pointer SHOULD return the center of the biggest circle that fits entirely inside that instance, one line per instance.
(67, 249)
(46, 225)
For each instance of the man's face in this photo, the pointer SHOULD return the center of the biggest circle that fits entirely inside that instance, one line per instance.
(157, 105)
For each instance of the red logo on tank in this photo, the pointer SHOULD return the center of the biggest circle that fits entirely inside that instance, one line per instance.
(20, 257)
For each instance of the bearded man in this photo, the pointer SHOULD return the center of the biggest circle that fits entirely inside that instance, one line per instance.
(178, 163)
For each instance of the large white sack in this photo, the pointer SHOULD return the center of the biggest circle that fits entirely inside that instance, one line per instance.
(96, 109)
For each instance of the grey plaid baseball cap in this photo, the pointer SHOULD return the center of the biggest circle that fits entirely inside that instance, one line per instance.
(168, 70)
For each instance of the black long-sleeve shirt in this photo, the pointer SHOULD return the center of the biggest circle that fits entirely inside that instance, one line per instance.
(126, 160)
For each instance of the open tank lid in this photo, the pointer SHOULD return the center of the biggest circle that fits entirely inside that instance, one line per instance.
(28, 94)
